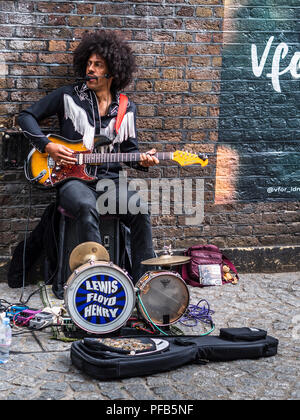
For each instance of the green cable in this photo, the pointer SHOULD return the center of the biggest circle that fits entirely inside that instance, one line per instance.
(139, 298)
(212, 329)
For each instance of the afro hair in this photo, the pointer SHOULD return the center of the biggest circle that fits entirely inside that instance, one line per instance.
(117, 54)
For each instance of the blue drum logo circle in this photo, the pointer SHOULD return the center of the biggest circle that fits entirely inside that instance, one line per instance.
(100, 299)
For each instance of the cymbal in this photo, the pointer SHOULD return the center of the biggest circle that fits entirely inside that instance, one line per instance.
(85, 252)
(167, 259)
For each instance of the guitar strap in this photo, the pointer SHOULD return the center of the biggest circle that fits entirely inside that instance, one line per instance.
(121, 111)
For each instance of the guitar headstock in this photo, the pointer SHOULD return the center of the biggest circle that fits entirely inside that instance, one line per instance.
(187, 158)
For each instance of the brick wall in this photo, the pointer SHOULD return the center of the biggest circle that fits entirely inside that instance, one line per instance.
(195, 89)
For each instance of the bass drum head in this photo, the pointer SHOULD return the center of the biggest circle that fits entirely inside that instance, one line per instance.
(99, 298)
(163, 296)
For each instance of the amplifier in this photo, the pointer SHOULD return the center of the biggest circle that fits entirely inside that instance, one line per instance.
(14, 149)
(110, 234)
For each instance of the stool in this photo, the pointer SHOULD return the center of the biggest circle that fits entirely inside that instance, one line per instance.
(115, 238)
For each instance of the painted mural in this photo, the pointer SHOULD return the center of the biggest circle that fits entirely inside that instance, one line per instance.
(259, 128)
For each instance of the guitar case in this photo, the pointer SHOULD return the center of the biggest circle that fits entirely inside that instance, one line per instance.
(114, 358)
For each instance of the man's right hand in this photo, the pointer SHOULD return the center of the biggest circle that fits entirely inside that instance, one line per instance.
(60, 153)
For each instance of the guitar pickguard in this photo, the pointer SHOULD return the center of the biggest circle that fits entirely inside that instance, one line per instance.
(62, 173)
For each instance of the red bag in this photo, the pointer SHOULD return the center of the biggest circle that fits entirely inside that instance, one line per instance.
(205, 255)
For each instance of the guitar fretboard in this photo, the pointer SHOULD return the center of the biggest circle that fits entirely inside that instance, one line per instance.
(94, 158)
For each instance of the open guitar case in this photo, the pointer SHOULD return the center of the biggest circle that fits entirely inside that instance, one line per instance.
(124, 357)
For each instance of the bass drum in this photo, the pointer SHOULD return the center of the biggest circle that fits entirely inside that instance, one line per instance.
(99, 297)
(162, 296)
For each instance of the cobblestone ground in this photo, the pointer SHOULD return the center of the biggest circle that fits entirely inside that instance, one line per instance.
(40, 368)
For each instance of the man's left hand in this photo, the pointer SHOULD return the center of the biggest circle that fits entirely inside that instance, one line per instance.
(148, 159)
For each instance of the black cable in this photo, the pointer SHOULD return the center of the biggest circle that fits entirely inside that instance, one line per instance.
(4, 308)
(29, 330)
(24, 247)
(38, 289)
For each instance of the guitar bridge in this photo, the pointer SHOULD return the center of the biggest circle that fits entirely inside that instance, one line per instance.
(50, 162)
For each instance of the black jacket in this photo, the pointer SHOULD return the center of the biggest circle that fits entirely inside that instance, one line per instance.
(77, 110)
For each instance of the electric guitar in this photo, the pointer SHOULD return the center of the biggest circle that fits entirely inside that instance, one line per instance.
(47, 173)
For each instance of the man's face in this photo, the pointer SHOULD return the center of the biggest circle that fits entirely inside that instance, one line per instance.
(96, 66)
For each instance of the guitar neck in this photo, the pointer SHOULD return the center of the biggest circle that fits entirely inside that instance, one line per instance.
(97, 158)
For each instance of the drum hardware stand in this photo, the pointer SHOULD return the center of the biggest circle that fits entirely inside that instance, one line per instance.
(168, 250)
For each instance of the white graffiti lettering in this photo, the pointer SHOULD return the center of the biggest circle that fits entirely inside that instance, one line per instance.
(280, 53)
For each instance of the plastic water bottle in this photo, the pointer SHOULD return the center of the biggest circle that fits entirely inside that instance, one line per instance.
(5, 340)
